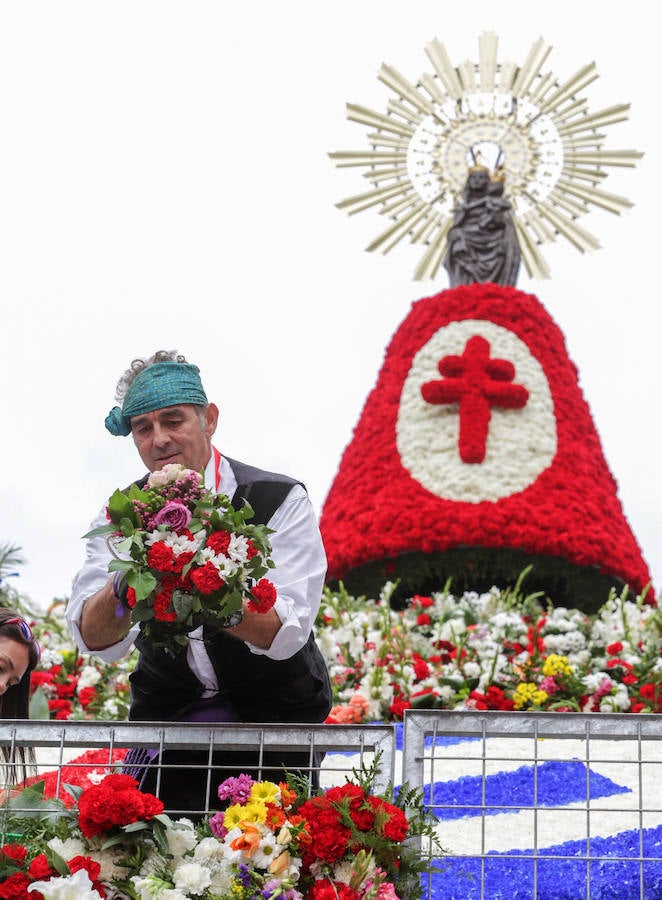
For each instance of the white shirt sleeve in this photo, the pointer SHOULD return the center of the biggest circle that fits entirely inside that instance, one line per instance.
(90, 579)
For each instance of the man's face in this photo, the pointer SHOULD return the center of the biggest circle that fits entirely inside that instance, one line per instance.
(175, 434)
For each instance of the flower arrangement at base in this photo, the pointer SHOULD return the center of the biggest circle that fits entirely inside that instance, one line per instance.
(272, 841)
(188, 556)
(497, 650)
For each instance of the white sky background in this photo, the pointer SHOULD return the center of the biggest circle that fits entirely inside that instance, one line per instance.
(164, 182)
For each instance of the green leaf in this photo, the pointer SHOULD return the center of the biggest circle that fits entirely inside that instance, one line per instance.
(120, 507)
(124, 546)
(183, 604)
(101, 530)
(143, 583)
(31, 804)
(135, 826)
(59, 863)
(39, 705)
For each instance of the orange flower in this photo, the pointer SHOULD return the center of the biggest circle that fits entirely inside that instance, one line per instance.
(248, 841)
(275, 816)
(287, 796)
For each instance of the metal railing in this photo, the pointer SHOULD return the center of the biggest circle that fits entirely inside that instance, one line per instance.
(536, 800)
(511, 795)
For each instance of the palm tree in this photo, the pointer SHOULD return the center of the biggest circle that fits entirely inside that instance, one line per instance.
(10, 558)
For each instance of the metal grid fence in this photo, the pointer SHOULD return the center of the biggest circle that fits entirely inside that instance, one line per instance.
(504, 790)
(537, 798)
(62, 746)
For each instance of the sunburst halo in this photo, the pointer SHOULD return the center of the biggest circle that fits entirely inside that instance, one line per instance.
(520, 118)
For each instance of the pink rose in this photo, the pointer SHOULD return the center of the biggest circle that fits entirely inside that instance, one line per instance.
(174, 514)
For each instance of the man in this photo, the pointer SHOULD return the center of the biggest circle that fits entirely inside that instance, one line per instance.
(262, 667)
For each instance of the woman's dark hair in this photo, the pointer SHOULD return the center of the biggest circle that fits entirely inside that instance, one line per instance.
(15, 702)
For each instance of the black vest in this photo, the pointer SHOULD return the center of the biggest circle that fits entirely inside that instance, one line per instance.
(259, 689)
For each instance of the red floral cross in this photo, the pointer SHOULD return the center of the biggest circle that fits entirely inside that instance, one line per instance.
(477, 383)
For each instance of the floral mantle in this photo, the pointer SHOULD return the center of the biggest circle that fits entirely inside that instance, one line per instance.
(477, 435)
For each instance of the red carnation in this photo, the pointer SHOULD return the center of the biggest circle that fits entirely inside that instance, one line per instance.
(162, 611)
(114, 801)
(161, 557)
(16, 852)
(207, 578)
(61, 708)
(68, 689)
(39, 868)
(263, 596)
(41, 679)
(91, 866)
(332, 890)
(398, 707)
(219, 541)
(86, 696)
(16, 888)
(183, 559)
(394, 822)
(330, 837)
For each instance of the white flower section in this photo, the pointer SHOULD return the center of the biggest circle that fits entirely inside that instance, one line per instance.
(266, 851)
(226, 566)
(75, 887)
(88, 677)
(191, 878)
(180, 543)
(521, 443)
(238, 549)
(182, 838)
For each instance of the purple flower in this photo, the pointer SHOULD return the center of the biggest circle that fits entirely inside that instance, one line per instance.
(217, 827)
(175, 515)
(236, 790)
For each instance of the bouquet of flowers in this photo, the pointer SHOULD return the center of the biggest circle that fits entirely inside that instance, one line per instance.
(272, 841)
(115, 843)
(345, 843)
(189, 558)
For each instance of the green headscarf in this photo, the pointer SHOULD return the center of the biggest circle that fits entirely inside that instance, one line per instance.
(162, 384)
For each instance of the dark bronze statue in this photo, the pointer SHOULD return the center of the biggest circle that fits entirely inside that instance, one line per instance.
(482, 243)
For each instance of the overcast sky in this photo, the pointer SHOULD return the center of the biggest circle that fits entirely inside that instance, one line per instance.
(165, 182)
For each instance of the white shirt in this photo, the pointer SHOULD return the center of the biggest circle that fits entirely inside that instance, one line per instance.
(298, 577)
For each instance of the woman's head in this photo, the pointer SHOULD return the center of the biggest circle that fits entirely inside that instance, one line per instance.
(19, 654)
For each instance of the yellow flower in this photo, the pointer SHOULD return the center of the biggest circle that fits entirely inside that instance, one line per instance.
(265, 792)
(528, 693)
(556, 665)
(239, 814)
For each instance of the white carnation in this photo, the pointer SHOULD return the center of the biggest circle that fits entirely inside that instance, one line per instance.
(191, 878)
(181, 838)
(88, 677)
(75, 887)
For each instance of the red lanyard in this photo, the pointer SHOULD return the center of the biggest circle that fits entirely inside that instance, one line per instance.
(217, 468)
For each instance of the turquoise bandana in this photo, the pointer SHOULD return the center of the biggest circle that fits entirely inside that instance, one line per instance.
(159, 385)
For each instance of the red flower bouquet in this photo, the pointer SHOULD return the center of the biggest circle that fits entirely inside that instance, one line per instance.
(115, 801)
(188, 556)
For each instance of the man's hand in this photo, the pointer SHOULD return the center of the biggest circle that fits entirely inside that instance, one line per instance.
(105, 619)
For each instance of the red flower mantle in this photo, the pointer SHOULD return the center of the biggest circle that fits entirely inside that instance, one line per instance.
(568, 511)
